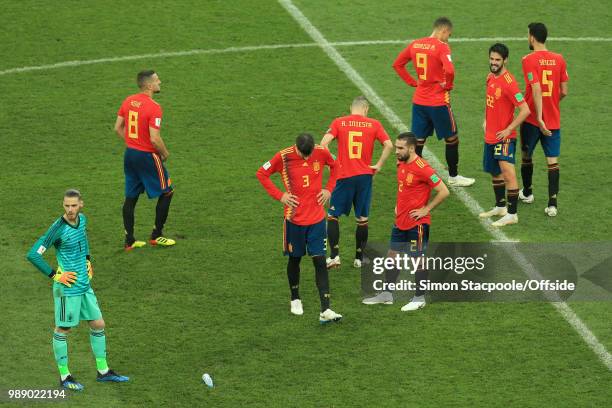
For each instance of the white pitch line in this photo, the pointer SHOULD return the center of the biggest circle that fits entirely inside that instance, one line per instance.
(199, 51)
(568, 314)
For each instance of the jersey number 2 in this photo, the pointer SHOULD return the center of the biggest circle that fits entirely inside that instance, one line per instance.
(133, 124)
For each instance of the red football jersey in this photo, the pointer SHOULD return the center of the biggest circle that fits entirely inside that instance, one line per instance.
(549, 70)
(356, 135)
(431, 59)
(139, 112)
(503, 95)
(303, 178)
(415, 180)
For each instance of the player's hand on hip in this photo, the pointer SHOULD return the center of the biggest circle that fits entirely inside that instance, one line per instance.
(376, 168)
(543, 128)
(290, 200)
(503, 134)
(66, 278)
(323, 197)
(419, 213)
(164, 157)
(90, 271)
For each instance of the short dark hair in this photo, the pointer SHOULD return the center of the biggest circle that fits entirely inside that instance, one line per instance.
(442, 22)
(143, 77)
(501, 49)
(72, 192)
(538, 31)
(409, 137)
(305, 143)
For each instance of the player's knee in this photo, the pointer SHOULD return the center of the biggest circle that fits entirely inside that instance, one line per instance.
(97, 324)
(421, 142)
(319, 261)
(169, 193)
(61, 329)
(552, 160)
(526, 160)
(294, 260)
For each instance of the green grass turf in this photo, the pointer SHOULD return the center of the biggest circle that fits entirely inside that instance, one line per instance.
(217, 302)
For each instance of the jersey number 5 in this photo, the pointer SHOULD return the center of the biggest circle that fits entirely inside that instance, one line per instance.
(354, 146)
(546, 74)
(421, 63)
(133, 124)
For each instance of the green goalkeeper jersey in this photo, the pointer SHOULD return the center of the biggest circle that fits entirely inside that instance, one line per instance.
(71, 251)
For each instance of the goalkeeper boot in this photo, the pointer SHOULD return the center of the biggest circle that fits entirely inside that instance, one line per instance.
(329, 316)
(111, 376)
(162, 241)
(417, 302)
(385, 298)
(70, 383)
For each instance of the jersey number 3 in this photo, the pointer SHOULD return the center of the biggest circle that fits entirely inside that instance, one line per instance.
(133, 124)
(421, 63)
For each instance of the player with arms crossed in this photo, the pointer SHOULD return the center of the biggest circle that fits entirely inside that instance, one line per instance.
(138, 122)
(431, 109)
(410, 234)
(73, 297)
(546, 78)
(356, 134)
(503, 96)
(301, 169)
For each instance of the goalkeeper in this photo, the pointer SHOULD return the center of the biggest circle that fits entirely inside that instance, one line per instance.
(73, 296)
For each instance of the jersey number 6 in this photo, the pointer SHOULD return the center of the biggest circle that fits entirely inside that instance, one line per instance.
(354, 146)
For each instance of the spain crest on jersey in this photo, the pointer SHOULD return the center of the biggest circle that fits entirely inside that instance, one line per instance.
(316, 166)
(409, 178)
(498, 93)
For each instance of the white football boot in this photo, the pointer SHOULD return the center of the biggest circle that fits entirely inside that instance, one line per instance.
(501, 211)
(460, 181)
(526, 199)
(417, 302)
(296, 307)
(357, 263)
(506, 220)
(329, 316)
(385, 298)
(333, 262)
(551, 211)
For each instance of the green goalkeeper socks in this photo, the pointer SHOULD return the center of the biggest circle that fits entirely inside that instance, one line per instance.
(60, 350)
(97, 338)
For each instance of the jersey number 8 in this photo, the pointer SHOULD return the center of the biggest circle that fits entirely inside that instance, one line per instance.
(133, 124)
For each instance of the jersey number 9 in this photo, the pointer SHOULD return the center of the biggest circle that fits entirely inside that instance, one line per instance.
(421, 63)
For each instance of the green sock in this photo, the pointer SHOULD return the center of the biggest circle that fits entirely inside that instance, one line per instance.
(60, 350)
(97, 338)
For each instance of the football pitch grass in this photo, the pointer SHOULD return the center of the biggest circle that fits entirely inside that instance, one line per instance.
(218, 301)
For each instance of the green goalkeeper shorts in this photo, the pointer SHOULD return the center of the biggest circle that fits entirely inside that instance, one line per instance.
(70, 310)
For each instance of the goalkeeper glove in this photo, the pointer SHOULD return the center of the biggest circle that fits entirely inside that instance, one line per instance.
(89, 270)
(65, 278)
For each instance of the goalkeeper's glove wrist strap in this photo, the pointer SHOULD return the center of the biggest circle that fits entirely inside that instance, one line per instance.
(53, 273)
